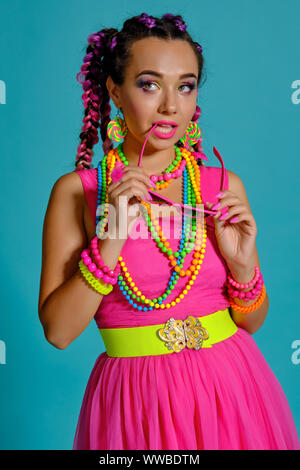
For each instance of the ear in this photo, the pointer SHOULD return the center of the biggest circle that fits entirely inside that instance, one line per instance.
(114, 92)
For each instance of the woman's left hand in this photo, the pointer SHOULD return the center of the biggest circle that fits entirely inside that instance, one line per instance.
(236, 240)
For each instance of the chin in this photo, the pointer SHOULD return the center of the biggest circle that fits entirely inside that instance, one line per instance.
(163, 144)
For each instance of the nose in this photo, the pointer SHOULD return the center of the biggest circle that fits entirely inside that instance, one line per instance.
(168, 103)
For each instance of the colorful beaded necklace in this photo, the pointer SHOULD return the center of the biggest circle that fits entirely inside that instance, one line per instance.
(174, 170)
(191, 196)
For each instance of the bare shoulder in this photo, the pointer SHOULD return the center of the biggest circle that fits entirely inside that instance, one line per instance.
(69, 187)
(70, 182)
(233, 179)
(236, 185)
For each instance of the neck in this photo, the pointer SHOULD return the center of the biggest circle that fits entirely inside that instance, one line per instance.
(153, 161)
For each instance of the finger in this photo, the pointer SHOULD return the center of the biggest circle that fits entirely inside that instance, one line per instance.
(132, 179)
(133, 185)
(225, 192)
(134, 167)
(225, 202)
(111, 186)
(139, 173)
(131, 195)
(232, 211)
(248, 219)
(242, 216)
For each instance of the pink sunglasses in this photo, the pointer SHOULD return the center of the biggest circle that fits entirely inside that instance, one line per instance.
(184, 206)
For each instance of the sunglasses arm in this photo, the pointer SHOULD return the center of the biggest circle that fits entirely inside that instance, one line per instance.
(184, 206)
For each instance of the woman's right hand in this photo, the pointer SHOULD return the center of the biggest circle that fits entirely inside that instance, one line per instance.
(133, 184)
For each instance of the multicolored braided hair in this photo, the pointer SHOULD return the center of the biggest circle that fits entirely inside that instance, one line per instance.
(108, 54)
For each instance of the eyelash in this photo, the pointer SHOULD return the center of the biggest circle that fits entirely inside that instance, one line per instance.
(142, 84)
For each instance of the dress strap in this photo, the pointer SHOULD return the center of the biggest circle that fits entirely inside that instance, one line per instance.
(210, 185)
(211, 182)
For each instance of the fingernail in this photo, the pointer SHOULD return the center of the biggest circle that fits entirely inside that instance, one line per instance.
(150, 197)
(219, 194)
(234, 219)
(216, 206)
(153, 184)
(223, 216)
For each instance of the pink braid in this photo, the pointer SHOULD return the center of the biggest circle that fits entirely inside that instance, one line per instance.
(92, 99)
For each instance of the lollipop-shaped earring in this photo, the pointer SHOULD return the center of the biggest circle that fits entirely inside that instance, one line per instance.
(117, 129)
(192, 134)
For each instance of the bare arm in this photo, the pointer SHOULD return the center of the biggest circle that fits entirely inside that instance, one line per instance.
(253, 321)
(67, 303)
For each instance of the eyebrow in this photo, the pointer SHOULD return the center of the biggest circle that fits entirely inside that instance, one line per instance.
(156, 74)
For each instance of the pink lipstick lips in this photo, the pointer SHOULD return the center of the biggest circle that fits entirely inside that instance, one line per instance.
(165, 129)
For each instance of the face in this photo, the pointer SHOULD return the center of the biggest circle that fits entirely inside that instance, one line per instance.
(155, 89)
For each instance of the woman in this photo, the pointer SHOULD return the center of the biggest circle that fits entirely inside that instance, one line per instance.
(181, 369)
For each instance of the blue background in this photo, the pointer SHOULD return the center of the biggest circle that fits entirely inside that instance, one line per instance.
(250, 112)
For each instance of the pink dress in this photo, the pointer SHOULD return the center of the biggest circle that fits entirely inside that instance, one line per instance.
(224, 397)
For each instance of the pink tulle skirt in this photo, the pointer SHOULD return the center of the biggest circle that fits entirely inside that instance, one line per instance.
(220, 398)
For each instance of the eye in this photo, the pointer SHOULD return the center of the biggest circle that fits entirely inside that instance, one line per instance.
(145, 84)
(190, 86)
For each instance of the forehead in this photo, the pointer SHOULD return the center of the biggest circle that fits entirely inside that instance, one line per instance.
(168, 57)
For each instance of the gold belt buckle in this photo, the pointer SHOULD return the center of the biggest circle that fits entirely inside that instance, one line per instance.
(179, 334)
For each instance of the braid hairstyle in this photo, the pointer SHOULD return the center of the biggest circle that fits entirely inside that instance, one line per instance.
(108, 54)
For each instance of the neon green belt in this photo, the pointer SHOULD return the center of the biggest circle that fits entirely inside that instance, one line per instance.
(172, 336)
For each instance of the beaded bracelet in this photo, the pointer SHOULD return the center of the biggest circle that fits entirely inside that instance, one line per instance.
(97, 284)
(250, 295)
(112, 274)
(248, 284)
(256, 286)
(250, 308)
(96, 265)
